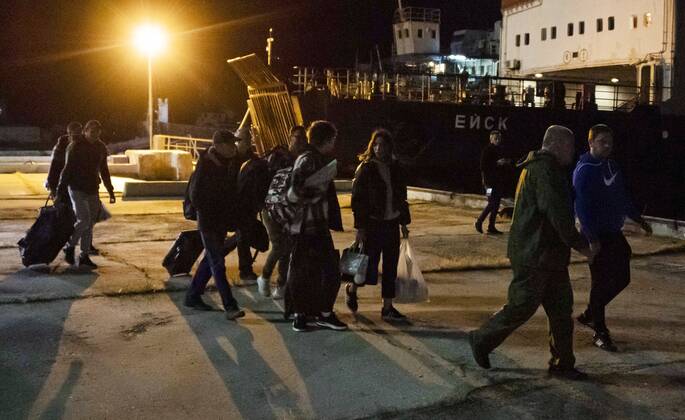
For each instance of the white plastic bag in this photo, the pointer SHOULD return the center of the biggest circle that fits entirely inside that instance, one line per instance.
(410, 286)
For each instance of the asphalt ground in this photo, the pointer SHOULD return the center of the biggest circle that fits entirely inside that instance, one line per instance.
(118, 342)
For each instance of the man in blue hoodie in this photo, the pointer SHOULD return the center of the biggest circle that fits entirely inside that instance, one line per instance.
(602, 204)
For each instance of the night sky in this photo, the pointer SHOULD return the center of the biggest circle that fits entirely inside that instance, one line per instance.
(66, 60)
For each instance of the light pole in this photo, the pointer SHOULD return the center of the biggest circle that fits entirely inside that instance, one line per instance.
(150, 40)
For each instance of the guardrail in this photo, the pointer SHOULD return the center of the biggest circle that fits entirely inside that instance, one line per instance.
(476, 90)
(189, 144)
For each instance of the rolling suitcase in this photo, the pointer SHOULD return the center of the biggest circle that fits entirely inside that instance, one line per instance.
(183, 253)
(47, 235)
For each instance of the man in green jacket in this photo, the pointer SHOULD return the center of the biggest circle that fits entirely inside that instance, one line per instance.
(541, 237)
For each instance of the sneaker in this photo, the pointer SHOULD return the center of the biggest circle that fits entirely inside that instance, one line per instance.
(392, 314)
(278, 292)
(572, 374)
(246, 280)
(331, 322)
(196, 303)
(85, 261)
(93, 251)
(585, 320)
(69, 255)
(493, 231)
(479, 227)
(603, 341)
(481, 358)
(351, 299)
(300, 323)
(234, 313)
(263, 286)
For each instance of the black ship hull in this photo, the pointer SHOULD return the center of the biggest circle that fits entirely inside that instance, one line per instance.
(440, 143)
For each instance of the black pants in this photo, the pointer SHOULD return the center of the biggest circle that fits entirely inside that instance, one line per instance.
(491, 209)
(610, 272)
(383, 237)
(244, 253)
(313, 276)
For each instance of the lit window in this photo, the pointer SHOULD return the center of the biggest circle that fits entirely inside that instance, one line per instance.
(554, 32)
(635, 21)
(420, 33)
(648, 19)
(600, 25)
(569, 30)
(543, 34)
(527, 39)
(610, 23)
(518, 40)
(581, 27)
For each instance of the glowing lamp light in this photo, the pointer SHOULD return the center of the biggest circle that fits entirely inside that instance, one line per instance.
(538, 75)
(149, 39)
(614, 80)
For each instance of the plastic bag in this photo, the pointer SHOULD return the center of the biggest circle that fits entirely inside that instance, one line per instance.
(354, 263)
(410, 286)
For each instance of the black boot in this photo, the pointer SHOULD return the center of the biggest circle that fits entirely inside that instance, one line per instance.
(69, 255)
(85, 261)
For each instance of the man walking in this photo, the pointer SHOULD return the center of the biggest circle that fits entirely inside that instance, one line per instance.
(491, 168)
(540, 242)
(86, 162)
(213, 193)
(602, 204)
(314, 275)
(59, 155)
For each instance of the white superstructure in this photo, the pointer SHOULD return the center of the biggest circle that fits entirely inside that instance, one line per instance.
(619, 41)
(416, 31)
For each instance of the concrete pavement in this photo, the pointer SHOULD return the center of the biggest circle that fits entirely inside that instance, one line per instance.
(118, 342)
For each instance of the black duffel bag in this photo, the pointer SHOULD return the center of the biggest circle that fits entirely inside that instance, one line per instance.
(48, 234)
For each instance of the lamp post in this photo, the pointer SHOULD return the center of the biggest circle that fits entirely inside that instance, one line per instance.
(150, 40)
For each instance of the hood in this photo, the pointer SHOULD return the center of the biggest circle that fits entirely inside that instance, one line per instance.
(588, 158)
(534, 156)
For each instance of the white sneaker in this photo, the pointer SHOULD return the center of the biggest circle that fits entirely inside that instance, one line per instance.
(278, 292)
(263, 286)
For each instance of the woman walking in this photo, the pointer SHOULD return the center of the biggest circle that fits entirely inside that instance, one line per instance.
(379, 204)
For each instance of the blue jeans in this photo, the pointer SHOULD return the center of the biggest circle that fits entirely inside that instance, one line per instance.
(213, 264)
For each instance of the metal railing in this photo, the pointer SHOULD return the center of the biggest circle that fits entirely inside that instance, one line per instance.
(475, 90)
(416, 14)
(189, 144)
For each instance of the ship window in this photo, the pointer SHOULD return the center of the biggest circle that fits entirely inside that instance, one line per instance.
(648, 19)
(610, 23)
(635, 21)
(527, 39)
(406, 32)
(420, 33)
(518, 40)
(570, 29)
(543, 34)
(600, 25)
(434, 34)
(581, 27)
(399, 34)
(554, 32)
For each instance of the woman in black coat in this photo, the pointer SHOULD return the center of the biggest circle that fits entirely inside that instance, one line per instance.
(379, 204)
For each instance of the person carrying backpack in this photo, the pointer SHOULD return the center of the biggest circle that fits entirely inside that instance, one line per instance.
(279, 159)
(214, 195)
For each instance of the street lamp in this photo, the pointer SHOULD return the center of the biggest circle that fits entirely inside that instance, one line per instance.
(150, 40)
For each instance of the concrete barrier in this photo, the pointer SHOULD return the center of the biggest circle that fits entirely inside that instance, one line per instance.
(149, 189)
(162, 165)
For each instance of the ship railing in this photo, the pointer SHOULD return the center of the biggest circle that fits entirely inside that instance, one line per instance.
(476, 90)
(189, 144)
(416, 14)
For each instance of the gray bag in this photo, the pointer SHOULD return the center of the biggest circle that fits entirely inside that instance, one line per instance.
(354, 263)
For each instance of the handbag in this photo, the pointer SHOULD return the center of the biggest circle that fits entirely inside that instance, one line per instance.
(354, 263)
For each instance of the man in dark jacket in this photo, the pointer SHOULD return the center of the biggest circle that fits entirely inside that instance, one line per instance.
(602, 205)
(86, 162)
(541, 237)
(314, 275)
(491, 168)
(213, 192)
